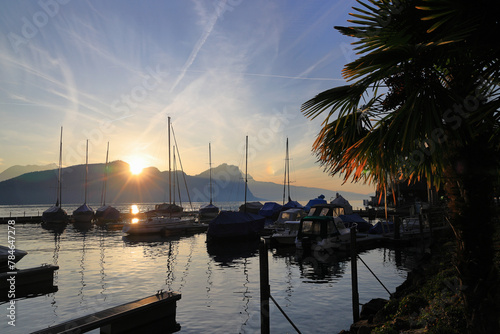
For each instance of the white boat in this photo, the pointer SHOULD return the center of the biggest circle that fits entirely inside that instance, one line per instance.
(84, 214)
(287, 235)
(321, 233)
(163, 225)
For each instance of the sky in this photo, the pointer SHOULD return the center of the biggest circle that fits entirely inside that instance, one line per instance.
(114, 71)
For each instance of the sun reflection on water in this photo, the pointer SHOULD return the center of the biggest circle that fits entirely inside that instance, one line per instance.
(134, 209)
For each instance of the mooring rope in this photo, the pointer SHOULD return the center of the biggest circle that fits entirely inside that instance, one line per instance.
(390, 294)
(283, 312)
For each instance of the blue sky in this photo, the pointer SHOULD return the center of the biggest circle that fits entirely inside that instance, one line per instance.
(114, 70)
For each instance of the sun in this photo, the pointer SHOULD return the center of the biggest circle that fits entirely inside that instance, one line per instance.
(136, 165)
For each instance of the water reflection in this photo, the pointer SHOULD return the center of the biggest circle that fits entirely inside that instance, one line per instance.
(225, 253)
(82, 270)
(56, 228)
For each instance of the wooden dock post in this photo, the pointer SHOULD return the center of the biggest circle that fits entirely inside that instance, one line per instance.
(265, 290)
(354, 276)
(397, 234)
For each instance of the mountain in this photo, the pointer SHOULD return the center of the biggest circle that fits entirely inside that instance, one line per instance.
(17, 170)
(151, 186)
(122, 187)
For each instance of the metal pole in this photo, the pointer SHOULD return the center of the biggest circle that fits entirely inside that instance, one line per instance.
(265, 290)
(354, 277)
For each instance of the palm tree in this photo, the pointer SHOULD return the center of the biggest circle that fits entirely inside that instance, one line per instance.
(423, 101)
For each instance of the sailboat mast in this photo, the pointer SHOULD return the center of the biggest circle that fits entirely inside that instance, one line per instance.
(86, 168)
(175, 172)
(210, 170)
(246, 172)
(103, 198)
(284, 180)
(169, 170)
(59, 193)
(288, 169)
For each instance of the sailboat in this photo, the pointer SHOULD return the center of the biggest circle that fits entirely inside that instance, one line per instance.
(286, 185)
(106, 213)
(84, 213)
(56, 214)
(233, 225)
(165, 222)
(208, 211)
(171, 209)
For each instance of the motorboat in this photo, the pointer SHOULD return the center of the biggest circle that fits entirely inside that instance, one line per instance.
(320, 233)
(288, 234)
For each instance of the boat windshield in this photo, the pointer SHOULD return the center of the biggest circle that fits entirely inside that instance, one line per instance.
(311, 227)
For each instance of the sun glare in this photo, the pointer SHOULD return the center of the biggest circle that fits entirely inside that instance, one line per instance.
(136, 166)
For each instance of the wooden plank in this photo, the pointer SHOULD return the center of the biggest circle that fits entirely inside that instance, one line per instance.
(127, 315)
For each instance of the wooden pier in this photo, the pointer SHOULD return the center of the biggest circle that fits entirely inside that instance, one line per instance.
(154, 314)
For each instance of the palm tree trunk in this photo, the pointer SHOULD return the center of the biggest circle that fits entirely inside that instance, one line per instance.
(469, 185)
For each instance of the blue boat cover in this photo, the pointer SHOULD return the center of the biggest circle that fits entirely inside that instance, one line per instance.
(349, 220)
(293, 205)
(319, 200)
(230, 224)
(377, 228)
(208, 208)
(269, 209)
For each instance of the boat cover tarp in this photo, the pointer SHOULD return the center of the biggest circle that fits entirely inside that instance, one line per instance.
(230, 224)
(54, 214)
(339, 200)
(319, 200)
(293, 204)
(251, 207)
(107, 212)
(270, 209)
(208, 208)
(349, 220)
(83, 208)
(377, 228)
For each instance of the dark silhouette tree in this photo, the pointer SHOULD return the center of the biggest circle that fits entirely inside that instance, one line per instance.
(422, 100)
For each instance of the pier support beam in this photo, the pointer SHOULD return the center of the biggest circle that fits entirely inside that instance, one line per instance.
(265, 290)
(354, 276)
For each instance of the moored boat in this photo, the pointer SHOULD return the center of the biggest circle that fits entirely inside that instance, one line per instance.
(236, 225)
(84, 214)
(56, 214)
(288, 234)
(209, 211)
(229, 224)
(321, 233)
(106, 213)
(163, 225)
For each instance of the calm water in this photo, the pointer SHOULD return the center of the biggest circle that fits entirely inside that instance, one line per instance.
(219, 283)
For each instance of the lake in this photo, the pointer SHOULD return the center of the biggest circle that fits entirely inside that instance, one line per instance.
(219, 283)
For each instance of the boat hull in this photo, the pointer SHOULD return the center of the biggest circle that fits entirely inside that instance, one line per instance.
(55, 215)
(164, 226)
(235, 225)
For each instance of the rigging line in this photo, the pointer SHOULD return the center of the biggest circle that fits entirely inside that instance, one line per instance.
(390, 294)
(182, 169)
(283, 312)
